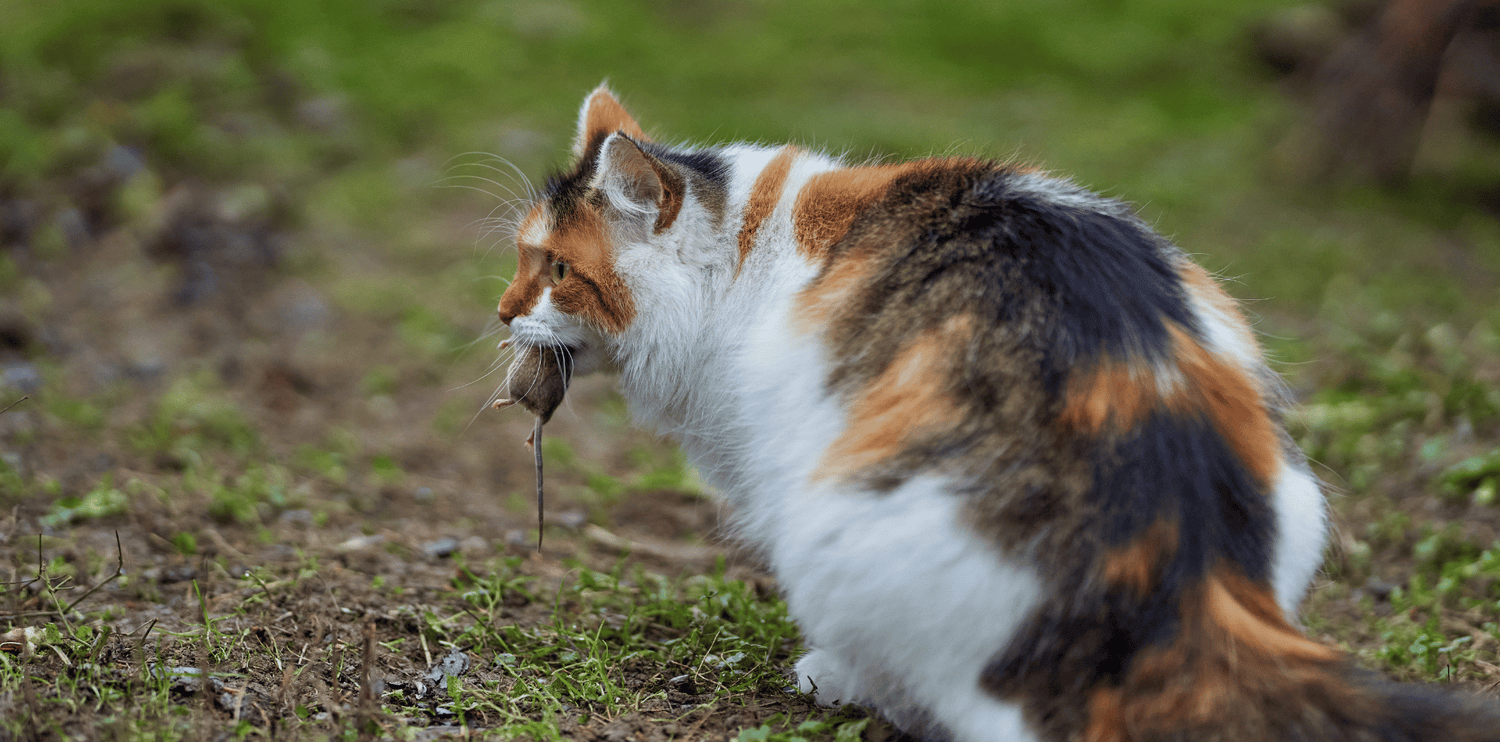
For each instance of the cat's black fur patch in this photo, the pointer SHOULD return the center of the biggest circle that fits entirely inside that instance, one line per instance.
(1182, 470)
(704, 163)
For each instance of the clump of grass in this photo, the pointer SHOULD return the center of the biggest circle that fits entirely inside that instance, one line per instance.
(1400, 400)
(780, 729)
(102, 501)
(614, 645)
(1475, 478)
(191, 416)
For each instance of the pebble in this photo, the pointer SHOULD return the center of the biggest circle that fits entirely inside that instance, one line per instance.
(455, 664)
(360, 543)
(441, 548)
(188, 680)
(1378, 588)
(570, 519)
(22, 377)
(301, 517)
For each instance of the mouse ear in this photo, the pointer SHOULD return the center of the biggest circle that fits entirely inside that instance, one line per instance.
(600, 116)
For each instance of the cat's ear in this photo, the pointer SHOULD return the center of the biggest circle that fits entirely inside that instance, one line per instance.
(638, 186)
(600, 116)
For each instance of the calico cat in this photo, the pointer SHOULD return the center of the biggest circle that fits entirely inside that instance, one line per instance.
(1017, 463)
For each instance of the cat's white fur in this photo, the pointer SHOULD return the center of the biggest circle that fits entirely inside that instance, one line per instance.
(713, 358)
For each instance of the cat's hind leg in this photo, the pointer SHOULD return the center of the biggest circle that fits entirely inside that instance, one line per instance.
(905, 605)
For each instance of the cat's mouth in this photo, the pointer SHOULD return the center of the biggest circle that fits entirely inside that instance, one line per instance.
(539, 378)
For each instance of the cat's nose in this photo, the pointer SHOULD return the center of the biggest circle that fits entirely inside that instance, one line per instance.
(505, 316)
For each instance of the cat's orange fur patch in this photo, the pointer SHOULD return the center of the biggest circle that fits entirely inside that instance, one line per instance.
(593, 292)
(1231, 629)
(1134, 566)
(1248, 612)
(604, 116)
(1230, 399)
(830, 201)
(764, 195)
(600, 296)
(531, 278)
(1106, 717)
(907, 398)
(1119, 393)
(828, 204)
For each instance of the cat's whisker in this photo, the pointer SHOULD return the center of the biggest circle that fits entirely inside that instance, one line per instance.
(518, 172)
(444, 184)
(476, 189)
(484, 163)
(494, 366)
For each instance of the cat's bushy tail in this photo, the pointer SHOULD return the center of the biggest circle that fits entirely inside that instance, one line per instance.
(1237, 671)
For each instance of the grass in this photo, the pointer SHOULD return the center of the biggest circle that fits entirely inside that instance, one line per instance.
(298, 454)
(612, 644)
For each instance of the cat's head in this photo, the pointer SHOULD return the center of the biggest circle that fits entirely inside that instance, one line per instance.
(604, 231)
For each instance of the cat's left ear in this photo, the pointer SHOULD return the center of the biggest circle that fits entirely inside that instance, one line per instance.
(640, 187)
(600, 116)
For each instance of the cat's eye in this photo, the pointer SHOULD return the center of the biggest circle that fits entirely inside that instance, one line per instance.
(559, 271)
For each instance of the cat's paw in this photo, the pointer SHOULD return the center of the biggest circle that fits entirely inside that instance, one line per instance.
(829, 679)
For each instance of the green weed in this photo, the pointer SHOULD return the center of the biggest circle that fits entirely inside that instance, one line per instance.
(101, 502)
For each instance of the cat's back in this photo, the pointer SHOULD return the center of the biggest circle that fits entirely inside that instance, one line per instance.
(1081, 379)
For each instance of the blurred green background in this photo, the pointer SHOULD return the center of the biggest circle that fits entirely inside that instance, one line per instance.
(1161, 103)
(1157, 102)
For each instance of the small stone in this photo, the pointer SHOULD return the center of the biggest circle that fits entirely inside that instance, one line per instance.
(441, 548)
(474, 546)
(73, 228)
(570, 519)
(455, 664)
(326, 113)
(300, 517)
(360, 543)
(122, 163)
(179, 573)
(1379, 589)
(23, 377)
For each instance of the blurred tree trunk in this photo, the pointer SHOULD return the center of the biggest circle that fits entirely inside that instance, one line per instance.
(1374, 93)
